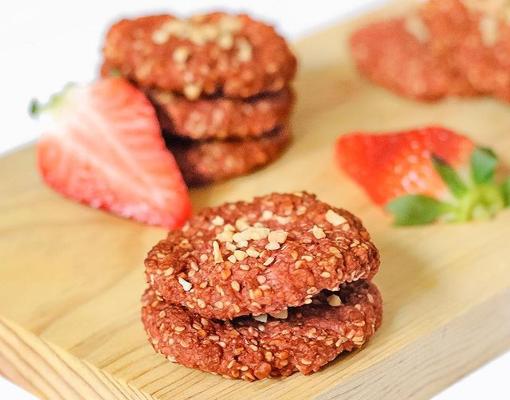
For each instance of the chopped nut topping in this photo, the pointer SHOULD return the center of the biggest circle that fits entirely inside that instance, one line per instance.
(261, 279)
(180, 55)
(240, 255)
(272, 246)
(231, 246)
(307, 258)
(252, 252)
(244, 50)
(325, 274)
(226, 41)
(225, 236)
(260, 318)
(304, 361)
(334, 300)
(241, 224)
(218, 221)
(318, 232)
(185, 284)
(217, 253)
(282, 220)
(267, 214)
(232, 258)
(219, 305)
(278, 236)
(416, 27)
(201, 303)
(281, 314)
(244, 267)
(334, 219)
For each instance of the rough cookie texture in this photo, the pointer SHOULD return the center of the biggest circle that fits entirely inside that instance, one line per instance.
(203, 162)
(259, 257)
(309, 338)
(206, 54)
(446, 47)
(222, 117)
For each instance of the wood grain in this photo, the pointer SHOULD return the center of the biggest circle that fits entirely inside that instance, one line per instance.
(71, 277)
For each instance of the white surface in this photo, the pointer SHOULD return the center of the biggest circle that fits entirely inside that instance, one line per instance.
(44, 44)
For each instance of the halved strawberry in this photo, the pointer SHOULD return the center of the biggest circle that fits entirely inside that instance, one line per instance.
(103, 147)
(423, 174)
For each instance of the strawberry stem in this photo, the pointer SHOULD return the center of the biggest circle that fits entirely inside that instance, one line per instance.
(481, 198)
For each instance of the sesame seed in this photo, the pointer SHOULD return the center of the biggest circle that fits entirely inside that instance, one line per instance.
(268, 356)
(253, 347)
(193, 266)
(335, 251)
(201, 303)
(244, 50)
(217, 253)
(282, 220)
(235, 285)
(168, 272)
(307, 258)
(244, 267)
(203, 285)
(325, 274)
(242, 243)
(260, 318)
(219, 305)
(304, 361)
(308, 301)
(334, 300)
(334, 219)
(179, 329)
(261, 279)
(203, 257)
(318, 232)
(185, 284)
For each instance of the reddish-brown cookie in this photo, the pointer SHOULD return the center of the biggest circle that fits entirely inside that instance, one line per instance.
(203, 162)
(258, 257)
(220, 117)
(211, 53)
(475, 37)
(396, 54)
(311, 336)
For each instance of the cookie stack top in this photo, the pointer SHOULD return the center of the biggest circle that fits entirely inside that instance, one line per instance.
(207, 54)
(219, 83)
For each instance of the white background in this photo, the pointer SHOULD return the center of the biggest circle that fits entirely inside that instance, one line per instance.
(44, 44)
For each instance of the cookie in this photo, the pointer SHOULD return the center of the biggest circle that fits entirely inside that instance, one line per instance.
(260, 257)
(310, 337)
(203, 162)
(220, 117)
(396, 54)
(476, 37)
(206, 54)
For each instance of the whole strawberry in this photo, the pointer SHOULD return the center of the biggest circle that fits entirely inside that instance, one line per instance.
(424, 174)
(103, 147)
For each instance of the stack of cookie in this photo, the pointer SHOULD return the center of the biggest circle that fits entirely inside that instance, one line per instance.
(261, 289)
(220, 85)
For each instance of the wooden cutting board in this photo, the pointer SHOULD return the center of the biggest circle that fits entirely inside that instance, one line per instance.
(71, 277)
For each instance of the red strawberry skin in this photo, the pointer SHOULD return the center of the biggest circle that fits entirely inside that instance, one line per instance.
(104, 148)
(390, 165)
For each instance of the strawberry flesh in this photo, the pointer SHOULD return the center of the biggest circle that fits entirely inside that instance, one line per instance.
(393, 164)
(103, 148)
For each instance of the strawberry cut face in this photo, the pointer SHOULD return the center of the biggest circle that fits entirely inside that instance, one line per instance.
(424, 174)
(393, 164)
(103, 147)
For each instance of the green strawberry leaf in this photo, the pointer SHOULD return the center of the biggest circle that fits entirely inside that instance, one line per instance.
(416, 209)
(483, 165)
(34, 108)
(449, 177)
(505, 187)
(115, 72)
